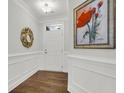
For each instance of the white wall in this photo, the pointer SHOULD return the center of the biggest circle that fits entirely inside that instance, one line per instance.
(19, 17)
(105, 53)
(82, 78)
(23, 62)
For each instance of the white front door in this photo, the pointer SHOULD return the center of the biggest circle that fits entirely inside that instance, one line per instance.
(53, 47)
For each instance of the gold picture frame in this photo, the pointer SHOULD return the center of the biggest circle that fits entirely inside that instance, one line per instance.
(27, 37)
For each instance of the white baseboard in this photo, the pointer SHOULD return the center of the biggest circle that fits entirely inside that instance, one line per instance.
(20, 78)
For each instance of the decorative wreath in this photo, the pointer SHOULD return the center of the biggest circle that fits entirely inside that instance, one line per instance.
(27, 37)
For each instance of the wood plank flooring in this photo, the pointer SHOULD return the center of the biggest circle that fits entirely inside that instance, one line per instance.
(44, 82)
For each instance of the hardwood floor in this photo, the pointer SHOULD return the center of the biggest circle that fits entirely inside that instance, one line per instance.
(44, 82)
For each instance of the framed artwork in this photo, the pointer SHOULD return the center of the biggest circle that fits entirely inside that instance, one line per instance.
(94, 24)
(27, 37)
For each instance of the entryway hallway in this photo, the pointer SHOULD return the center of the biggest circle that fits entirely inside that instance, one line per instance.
(44, 82)
(50, 52)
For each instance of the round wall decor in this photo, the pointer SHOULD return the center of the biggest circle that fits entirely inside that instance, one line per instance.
(27, 37)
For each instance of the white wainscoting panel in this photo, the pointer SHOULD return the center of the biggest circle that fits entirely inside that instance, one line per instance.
(65, 61)
(22, 66)
(91, 76)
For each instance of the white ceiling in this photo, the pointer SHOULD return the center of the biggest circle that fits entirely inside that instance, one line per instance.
(59, 9)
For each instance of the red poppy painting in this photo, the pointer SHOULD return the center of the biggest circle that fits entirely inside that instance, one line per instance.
(92, 25)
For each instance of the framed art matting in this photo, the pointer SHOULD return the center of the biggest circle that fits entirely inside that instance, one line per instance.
(94, 24)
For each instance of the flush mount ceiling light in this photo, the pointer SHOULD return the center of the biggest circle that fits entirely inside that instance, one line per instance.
(47, 7)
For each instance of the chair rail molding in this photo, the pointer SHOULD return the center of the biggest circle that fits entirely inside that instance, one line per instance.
(94, 59)
(24, 54)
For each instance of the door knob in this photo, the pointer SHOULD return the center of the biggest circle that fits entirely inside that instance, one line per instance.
(45, 51)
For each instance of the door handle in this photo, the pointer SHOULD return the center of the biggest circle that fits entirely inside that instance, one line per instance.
(45, 51)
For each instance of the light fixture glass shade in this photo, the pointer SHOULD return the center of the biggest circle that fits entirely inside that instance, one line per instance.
(46, 7)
